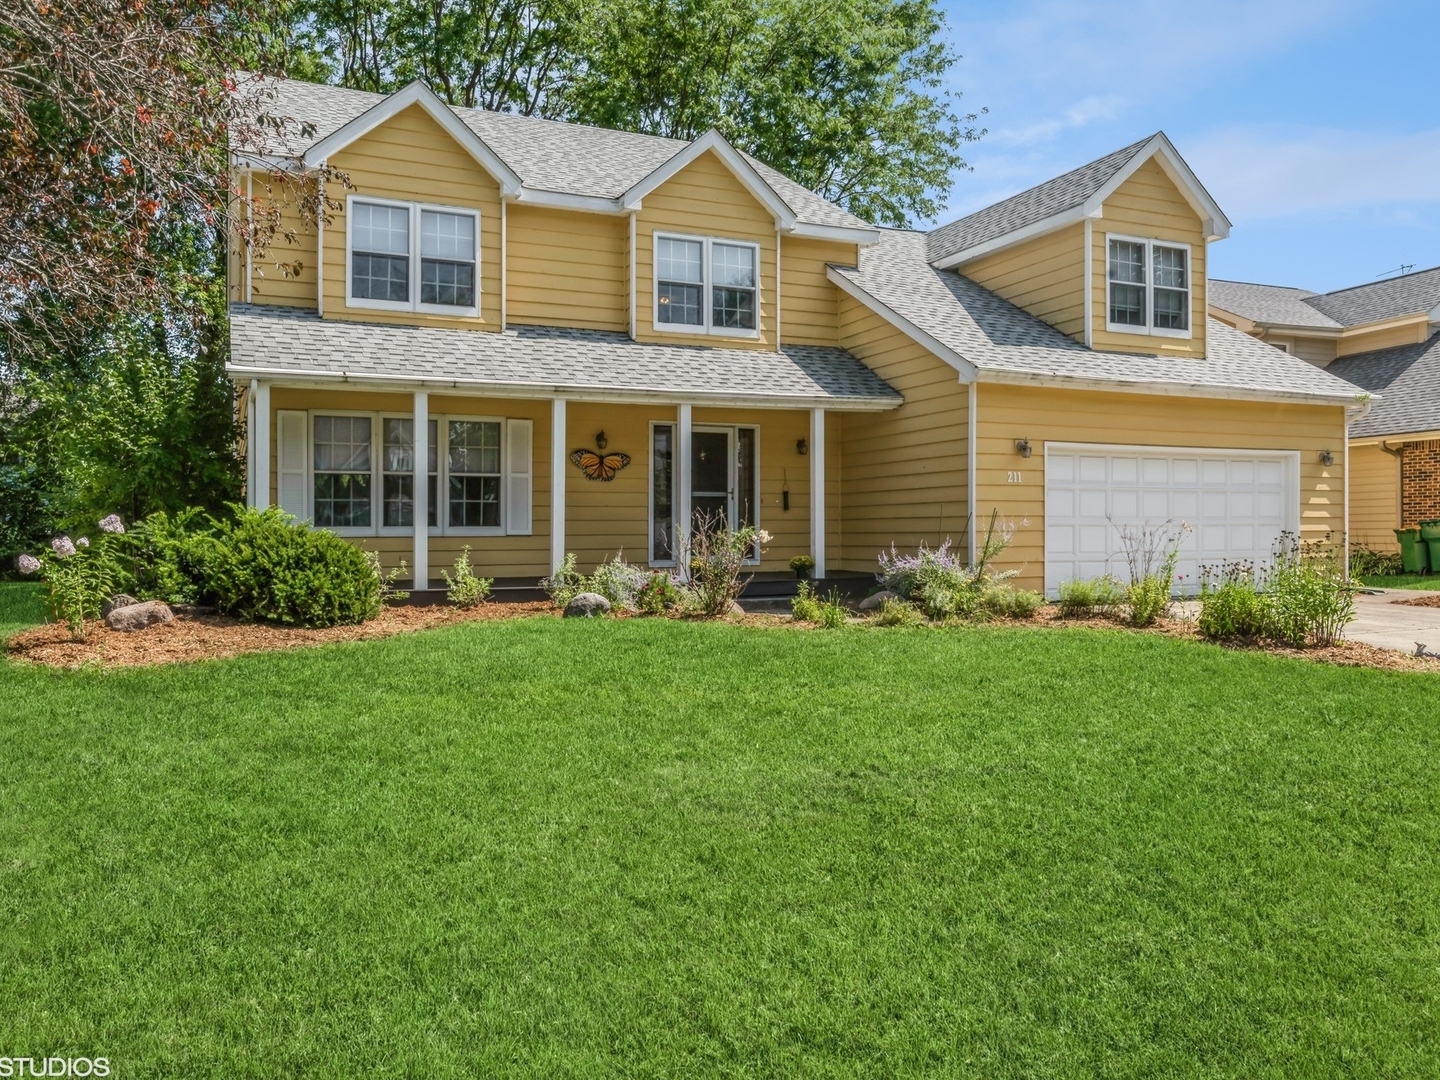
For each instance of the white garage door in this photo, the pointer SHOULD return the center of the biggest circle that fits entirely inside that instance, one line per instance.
(1236, 502)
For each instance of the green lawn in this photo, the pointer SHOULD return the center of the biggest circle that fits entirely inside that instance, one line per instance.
(20, 606)
(655, 849)
(1402, 581)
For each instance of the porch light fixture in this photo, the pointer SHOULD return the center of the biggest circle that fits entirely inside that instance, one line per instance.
(802, 447)
(1022, 447)
(1327, 458)
(600, 441)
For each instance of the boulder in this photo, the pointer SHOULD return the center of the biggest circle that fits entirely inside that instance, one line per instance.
(139, 616)
(119, 600)
(735, 609)
(873, 602)
(586, 605)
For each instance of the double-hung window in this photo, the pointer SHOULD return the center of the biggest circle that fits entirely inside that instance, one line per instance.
(707, 286)
(473, 465)
(384, 239)
(342, 472)
(1147, 287)
(398, 479)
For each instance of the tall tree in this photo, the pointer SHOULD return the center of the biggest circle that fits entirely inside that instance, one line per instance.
(848, 97)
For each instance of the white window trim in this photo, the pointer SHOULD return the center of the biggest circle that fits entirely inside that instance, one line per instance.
(413, 304)
(1150, 245)
(754, 558)
(377, 475)
(707, 295)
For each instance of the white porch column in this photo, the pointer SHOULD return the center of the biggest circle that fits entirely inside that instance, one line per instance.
(683, 515)
(260, 451)
(421, 501)
(817, 491)
(557, 483)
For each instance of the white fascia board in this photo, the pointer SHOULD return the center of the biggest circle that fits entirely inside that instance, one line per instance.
(267, 162)
(417, 93)
(560, 200)
(1213, 219)
(320, 379)
(1071, 216)
(966, 369)
(845, 234)
(712, 140)
(1162, 389)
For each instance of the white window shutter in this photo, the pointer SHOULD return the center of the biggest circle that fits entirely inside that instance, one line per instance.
(292, 450)
(519, 482)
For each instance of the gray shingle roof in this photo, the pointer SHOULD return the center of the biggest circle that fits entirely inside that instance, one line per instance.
(1038, 203)
(547, 360)
(1275, 305)
(1407, 380)
(1000, 338)
(1405, 295)
(547, 155)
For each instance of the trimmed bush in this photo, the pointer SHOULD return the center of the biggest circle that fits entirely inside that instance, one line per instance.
(264, 566)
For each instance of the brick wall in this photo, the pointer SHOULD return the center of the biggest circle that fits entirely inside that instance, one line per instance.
(1420, 482)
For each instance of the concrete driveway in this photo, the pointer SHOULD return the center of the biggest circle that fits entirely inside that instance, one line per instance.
(1381, 622)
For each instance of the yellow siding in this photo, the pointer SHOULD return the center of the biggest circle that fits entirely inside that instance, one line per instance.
(1045, 276)
(904, 474)
(285, 272)
(1316, 350)
(703, 199)
(491, 556)
(411, 157)
(1041, 415)
(1387, 337)
(807, 297)
(567, 269)
(1374, 497)
(1149, 206)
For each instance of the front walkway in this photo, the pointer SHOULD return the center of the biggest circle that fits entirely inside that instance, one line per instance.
(1381, 622)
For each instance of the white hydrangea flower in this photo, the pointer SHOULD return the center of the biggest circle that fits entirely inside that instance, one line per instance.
(112, 524)
(62, 547)
(29, 564)
(84, 541)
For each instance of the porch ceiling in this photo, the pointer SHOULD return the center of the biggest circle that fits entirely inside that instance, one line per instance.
(295, 344)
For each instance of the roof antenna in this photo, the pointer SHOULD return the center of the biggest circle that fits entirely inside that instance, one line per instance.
(1404, 269)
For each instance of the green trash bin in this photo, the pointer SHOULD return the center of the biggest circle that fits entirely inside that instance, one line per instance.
(1414, 556)
(1430, 537)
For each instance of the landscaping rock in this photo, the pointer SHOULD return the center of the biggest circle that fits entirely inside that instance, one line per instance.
(139, 616)
(735, 608)
(119, 600)
(872, 603)
(587, 605)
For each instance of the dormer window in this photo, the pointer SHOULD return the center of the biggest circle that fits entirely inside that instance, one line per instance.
(383, 238)
(706, 286)
(1147, 287)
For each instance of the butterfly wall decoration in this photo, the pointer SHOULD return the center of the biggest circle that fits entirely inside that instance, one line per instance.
(598, 466)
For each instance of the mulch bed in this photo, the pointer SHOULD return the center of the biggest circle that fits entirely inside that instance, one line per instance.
(212, 637)
(1428, 600)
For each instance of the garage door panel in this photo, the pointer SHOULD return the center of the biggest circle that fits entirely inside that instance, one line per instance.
(1236, 503)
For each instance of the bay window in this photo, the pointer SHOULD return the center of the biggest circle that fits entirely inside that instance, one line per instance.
(1147, 287)
(706, 286)
(382, 239)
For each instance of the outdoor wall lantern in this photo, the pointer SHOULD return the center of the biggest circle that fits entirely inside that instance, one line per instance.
(1022, 447)
(1327, 458)
(601, 442)
(802, 447)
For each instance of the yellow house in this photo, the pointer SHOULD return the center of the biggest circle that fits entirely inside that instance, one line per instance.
(1384, 337)
(592, 339)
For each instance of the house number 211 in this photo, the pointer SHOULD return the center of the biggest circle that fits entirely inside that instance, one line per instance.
(1014, 477)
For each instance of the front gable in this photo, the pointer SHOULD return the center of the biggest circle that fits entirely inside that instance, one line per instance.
(705, 200)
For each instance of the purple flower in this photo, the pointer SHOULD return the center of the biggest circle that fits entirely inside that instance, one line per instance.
(112, 524)
(29, 564)
(62, 547)
(84, 541)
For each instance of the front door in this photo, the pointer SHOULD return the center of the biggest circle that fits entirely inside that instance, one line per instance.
(712, 479)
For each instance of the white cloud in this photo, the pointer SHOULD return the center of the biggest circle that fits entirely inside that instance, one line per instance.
(1260, 173)
(1096, 108)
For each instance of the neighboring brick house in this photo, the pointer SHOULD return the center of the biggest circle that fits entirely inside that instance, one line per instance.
(1385, 338)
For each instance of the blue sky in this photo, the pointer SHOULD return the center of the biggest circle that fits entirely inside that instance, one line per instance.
(1314, 123)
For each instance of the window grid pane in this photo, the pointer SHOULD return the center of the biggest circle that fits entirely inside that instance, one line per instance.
(449, 283)
(342, 471)
(734, 309)
(474, 464)
(447, 236)
(380, 277)
(663, 472)
(1127, 262)
(380, 229)
(398, 463)
(680, 304)
(1171, 309)
(679, 260)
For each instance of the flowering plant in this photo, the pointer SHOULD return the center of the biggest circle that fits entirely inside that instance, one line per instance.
(79, 576)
